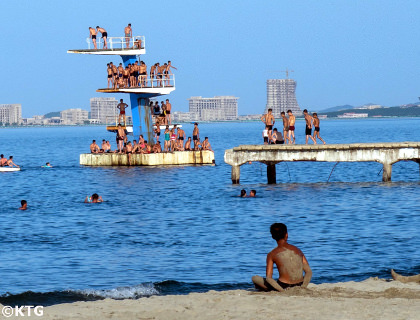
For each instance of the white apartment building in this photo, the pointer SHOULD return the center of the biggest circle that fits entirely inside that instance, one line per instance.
(104, 110)
(74, 116)
(216, 108)
(10, 113)
(281, 97)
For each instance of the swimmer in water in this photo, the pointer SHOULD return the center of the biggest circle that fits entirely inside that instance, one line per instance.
(47, 165)
(24, 205)
(243, 193)
(290, 262)
(94, 198)
(252, 193)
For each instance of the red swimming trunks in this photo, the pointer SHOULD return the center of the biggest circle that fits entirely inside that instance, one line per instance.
(292, 128)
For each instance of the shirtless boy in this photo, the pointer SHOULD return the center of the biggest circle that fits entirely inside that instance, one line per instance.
(285, 127)
(152, 73)
(128, 32)
(160, 70)
(92, 35)
(24, 205)
(143, 74)
(94, 148)
(3, 160)
(157, 148)
(104, 36)
(290, 262)
(316, 126)
(269, 121)
(188, 145)
(181, 138)
(168, 71)
(10, 162)
(122, 106)
(196, 134)
(206, 144)
(121, 136)
(292, 121)
(168, 112)
(308, 130)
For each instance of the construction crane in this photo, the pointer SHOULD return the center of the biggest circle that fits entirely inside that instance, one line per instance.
(285, 71)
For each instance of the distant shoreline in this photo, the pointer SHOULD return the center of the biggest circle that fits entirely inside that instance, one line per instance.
(215, 121)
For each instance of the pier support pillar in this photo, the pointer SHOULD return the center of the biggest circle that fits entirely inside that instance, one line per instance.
(236, 172)
(271, 173)
(387, 171)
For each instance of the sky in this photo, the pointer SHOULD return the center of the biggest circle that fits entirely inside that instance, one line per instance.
(341, 52)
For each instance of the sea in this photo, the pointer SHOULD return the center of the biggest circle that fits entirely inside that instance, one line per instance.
(180, 229)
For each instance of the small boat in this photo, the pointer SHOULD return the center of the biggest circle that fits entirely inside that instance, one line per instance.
(8, 169)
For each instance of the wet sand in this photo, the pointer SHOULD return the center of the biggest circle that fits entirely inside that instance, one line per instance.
(369, 299)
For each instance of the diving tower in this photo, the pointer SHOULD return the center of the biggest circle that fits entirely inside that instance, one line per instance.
(139, 96)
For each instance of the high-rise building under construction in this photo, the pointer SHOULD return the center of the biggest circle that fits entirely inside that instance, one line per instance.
(281, 96)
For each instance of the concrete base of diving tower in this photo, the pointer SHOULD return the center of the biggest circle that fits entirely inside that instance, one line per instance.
(152, 159)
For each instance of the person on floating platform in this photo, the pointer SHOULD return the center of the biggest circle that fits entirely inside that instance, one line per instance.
(129, 151)
(316, 126)
(104, 146)
(92, 35)
(104, 36)
(188, 145)
(109, 72)
(94, 198)
(143, 74)
(23, 205)
(196, 133)
(181, 137)
(292, 121)
(146, 149)
(168, 72)
(94, 148)
(3, 160)
(173, 138)
(157, 148)
(126, 74)
(122, 106)
(168, 112)
(206, 144)
(108, 147)
(128, 32)
(197, 145)
(167, 138)
(10, 162)
(141, 139)
(285, 127)
(121, 137)
(157, 132)
(290, 261)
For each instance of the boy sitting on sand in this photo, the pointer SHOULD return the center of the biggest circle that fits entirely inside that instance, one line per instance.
(290, 262)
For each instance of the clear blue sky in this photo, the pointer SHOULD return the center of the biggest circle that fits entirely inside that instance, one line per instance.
(342, 52)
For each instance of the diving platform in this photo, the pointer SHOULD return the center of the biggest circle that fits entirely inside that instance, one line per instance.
(151, 159)
(116, 46)
(385, 153)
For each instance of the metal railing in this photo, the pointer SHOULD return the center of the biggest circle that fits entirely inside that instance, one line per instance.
(119, 43)
(113, 120)
(158, 81)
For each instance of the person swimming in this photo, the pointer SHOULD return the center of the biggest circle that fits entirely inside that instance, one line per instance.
(94, 198)
(243, 193)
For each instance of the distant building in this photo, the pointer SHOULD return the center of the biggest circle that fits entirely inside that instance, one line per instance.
(10, 113)
(178, 116)
(353, 115)
(74, 116)
(104, 110)
(217, 108)
(281, 96)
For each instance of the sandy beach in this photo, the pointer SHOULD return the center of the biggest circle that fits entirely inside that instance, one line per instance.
(369, 299)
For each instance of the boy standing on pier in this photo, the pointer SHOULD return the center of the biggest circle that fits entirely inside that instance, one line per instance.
(290, 262)
(285, 127)
(316, 126)
(308, 130)
(196, 135)
(269, 121)
(292, 121)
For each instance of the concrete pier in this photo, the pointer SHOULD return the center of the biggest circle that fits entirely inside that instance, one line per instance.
(151, 159)
(385, 153)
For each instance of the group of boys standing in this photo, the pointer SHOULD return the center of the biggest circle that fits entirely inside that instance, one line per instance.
(273, 136)
(135, 75)
(128, 34)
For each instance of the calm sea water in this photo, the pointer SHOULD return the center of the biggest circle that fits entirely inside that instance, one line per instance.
(178, 229)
